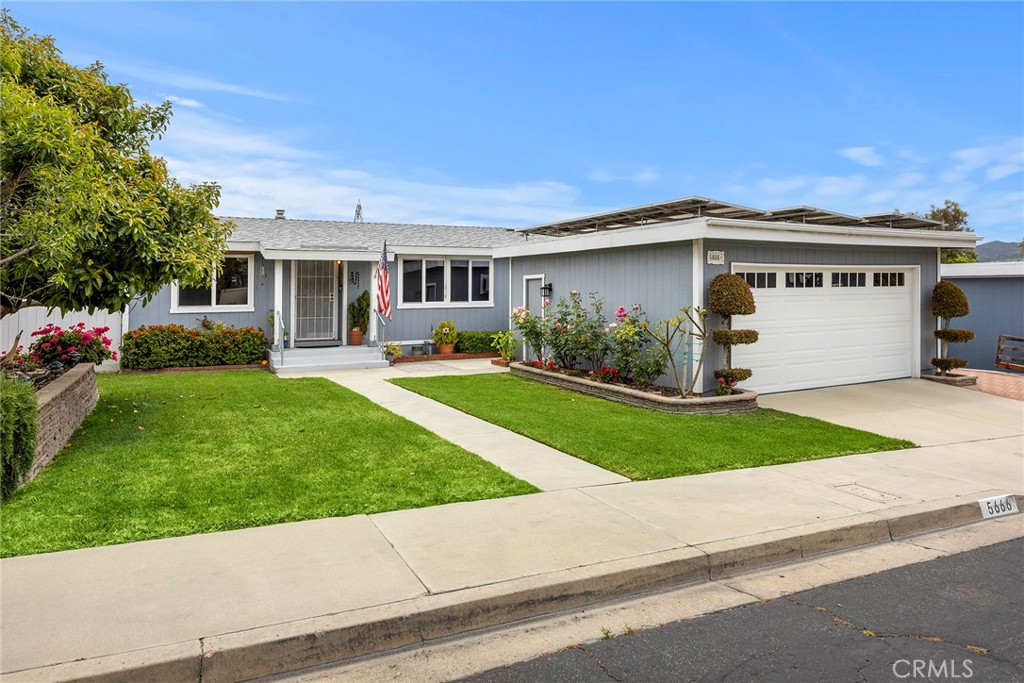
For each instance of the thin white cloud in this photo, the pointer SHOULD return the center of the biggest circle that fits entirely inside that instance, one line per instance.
(865, 156)
(641, 177)
(185, 102)
(185, 81)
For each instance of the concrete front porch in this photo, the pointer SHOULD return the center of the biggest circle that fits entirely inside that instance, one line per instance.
(326, 358)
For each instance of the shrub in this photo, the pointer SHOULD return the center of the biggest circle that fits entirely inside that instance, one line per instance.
(576, 335)
(734, 337)
(504, 343)
(446, 333)
(733, 375)
(53, 343)
(949, 301)
(946, 364)
(638, 356)
(177, 346)
(475, 342)
(954, 336)
(730, 295)
(19, 428)
(393, 349)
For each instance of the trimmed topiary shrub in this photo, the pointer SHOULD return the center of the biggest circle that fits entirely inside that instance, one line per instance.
(730, 295)
(177, 346)
(948, 302)
(733, 337)
(19, 429)
(475, 342)
(954, 336)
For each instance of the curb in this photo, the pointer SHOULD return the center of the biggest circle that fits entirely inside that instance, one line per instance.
(289, 647)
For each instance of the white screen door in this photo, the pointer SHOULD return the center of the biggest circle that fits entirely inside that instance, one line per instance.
(315, 312)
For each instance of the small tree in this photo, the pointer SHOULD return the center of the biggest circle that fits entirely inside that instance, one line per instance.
(729, 295)
(948, 302)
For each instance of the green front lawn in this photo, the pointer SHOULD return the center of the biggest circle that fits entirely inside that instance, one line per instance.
(175, 454)
(643, 444)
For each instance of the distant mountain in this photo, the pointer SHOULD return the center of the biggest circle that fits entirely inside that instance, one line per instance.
(999, 251)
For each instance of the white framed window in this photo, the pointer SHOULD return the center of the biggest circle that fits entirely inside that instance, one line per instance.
(230, 290)
(436, 282)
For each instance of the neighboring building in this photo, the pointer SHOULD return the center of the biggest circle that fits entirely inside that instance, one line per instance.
(841, 299)
(995, 292)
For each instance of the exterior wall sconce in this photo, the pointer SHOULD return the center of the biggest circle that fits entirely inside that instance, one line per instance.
(545, 290)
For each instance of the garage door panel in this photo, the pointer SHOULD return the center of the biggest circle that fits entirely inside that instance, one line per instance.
(823, 336)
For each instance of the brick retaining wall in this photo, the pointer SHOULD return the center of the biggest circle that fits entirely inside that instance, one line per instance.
(743, 402)
(63, 405)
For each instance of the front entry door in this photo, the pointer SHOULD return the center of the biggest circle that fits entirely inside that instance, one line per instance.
(315, 313)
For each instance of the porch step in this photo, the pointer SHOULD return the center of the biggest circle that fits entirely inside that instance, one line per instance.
(322, 359)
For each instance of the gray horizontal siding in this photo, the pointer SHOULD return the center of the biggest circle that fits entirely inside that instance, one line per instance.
(997, 307)
(783, 253)
(659, 278)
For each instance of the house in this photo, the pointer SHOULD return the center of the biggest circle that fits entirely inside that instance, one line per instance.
(841, 298)
(995, 292)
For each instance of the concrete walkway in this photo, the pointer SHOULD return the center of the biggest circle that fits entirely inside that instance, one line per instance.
(242, 604)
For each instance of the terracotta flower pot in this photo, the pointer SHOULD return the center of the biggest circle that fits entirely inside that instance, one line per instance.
(446, 349)
(355, 337)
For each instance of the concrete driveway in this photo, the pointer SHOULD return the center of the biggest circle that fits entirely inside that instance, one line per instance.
(927, 413)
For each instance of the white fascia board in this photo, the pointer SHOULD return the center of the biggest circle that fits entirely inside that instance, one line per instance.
(989, 269)
(244, 246)
(676, 231)
(412, 250)
(746, 230)
(805, 233)
(318, 255)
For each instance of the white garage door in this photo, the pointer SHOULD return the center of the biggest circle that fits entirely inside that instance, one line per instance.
(824, 327)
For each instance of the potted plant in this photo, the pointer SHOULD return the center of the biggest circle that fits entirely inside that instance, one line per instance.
(445, 336)
(358, 318)
(393, 351)
(505, 344)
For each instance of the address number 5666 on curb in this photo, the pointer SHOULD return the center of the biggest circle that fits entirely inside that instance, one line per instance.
(998, 506)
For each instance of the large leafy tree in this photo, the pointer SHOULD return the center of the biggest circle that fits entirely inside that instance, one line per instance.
(90, 218)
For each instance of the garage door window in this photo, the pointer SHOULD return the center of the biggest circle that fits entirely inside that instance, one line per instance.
(759, 280)
(849, 279)
(805, 280)
(889, 280)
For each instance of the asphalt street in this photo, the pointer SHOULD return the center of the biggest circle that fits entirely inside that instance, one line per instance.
(956, 618)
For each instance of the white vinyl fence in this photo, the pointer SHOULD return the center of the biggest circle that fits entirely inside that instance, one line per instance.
(28, 320)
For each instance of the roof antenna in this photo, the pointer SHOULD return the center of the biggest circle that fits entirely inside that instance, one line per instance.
(359, 211)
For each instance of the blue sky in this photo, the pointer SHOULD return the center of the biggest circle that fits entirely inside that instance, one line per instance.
(517, 114)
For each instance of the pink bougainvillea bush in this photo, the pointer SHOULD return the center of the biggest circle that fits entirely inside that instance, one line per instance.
(53, 343)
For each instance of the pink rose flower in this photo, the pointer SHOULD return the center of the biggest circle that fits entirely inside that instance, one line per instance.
(620, 312)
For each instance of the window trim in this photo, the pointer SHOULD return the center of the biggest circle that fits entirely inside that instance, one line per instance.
(446, 302)
(223, 308)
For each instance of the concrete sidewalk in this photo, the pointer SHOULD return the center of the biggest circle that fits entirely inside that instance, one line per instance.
(238, 605)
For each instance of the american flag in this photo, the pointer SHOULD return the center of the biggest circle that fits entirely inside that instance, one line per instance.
(384, 284)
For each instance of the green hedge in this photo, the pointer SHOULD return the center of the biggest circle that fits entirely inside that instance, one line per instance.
(475, 342)
(954, 336)
(734, 337)
(19, 428)
(177, 346)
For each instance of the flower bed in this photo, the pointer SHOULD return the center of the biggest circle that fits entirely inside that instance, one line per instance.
(741, 401)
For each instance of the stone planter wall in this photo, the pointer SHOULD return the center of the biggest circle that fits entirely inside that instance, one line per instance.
(953, 379)
(63, 404)
(742, 402)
